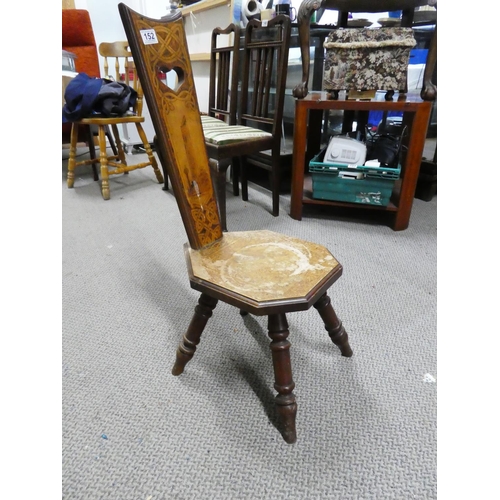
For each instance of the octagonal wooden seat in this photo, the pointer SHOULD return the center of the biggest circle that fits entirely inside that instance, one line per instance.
(263, 271)
(259, 272)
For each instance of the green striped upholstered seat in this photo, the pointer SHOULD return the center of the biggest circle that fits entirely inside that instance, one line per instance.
(218, 132)
(233, 133)
(208, 122)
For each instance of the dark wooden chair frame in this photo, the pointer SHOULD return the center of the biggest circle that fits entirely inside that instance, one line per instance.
(224, 66)
(253, 109)
(223, 101)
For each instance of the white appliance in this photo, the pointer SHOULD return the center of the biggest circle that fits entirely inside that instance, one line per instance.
(345, 150)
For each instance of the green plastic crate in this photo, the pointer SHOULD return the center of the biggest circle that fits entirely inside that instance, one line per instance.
(375, 188)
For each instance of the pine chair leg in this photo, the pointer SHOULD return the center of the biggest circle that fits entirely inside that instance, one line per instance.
(111, 141)
(187, 347)
(150, 154)
(286, 405)
(333, 325)
(70, 179)
(103, 157)
(119, 145)
(163, 164)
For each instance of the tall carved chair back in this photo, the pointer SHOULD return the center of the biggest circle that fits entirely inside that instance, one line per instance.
(258, 272)
(176, 116)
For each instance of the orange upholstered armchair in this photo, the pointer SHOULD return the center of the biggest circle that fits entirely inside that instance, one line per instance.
(78, 37)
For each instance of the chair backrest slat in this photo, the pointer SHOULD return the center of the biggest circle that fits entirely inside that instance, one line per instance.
(263, 81)
(224, 66)
(159, 45)
(124, 67)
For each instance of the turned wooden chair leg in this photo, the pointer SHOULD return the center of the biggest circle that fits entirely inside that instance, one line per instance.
(286, 405)
(70, 179)
(163, 163)
(187, 347)
(111, 141)
(119, 146)
(333, 325)
(149, 152)
(103, 157)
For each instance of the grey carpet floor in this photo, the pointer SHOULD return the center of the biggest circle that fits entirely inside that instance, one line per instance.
(131, 431)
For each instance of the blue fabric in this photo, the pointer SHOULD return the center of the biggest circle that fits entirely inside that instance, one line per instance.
(80, 96)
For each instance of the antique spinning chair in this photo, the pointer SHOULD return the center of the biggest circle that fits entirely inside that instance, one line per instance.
(125, 71)
(259, 272)
(260, 109)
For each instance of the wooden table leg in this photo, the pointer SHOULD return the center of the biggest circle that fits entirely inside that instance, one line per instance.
(299, 158)
(416, 145)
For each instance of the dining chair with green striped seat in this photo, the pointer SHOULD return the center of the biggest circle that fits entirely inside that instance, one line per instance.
(261, 92)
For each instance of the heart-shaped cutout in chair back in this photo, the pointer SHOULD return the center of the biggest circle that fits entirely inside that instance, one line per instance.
(172, 78)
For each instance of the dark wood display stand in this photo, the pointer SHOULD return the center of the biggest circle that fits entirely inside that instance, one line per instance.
(307, 139)
(310, 108)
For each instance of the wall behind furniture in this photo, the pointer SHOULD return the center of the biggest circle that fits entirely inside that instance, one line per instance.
(108, 27)
(106, 20)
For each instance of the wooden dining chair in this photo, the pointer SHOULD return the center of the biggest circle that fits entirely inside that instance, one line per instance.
(258, 272)
(118, 61)
(260, 110)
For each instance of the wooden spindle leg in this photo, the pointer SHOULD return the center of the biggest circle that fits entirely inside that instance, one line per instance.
(149, 152)
(333, 325)
(103, 158)
(286, 405)
(187, 347)
(70, 179)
